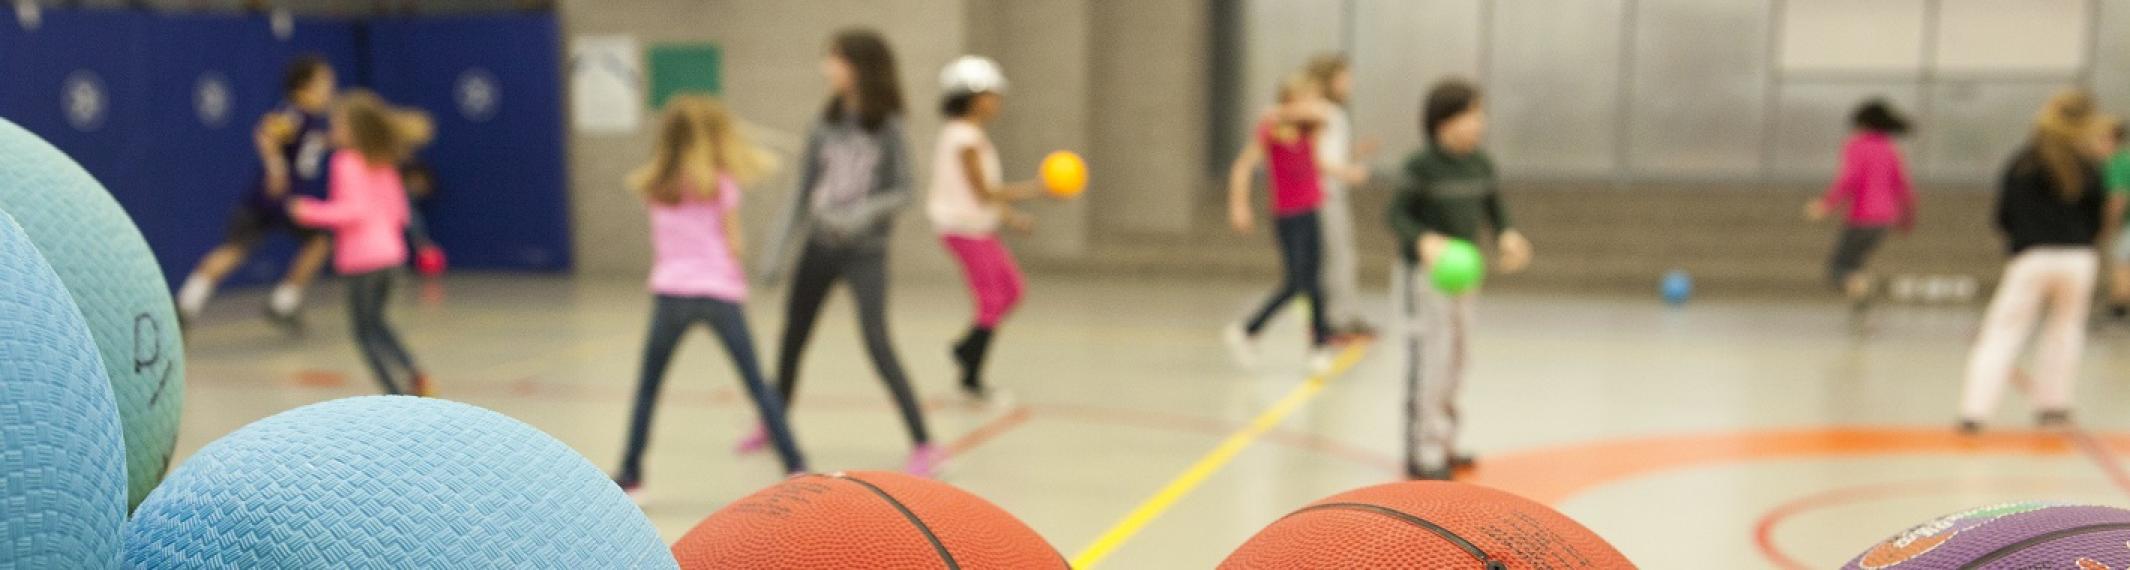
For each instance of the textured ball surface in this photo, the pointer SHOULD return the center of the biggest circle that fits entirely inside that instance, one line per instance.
(390, 482)
(2012, 535)
(864, 519)
(1388, 526)
(62, 455)
(107, 266)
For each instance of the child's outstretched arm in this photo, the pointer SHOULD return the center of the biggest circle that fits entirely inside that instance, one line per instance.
(972, 170)
(343, 204)
(1239, 216)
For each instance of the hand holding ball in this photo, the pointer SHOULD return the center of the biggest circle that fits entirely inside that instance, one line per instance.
(1458, 268)
(1064, 174)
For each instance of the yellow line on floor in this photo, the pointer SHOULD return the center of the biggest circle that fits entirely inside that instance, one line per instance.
(1189, 480)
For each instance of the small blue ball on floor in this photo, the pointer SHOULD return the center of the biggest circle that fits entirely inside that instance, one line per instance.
(390, 482)
(1677, 287)
(62, 452)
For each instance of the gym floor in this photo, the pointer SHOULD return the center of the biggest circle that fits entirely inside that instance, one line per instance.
(1745, 434)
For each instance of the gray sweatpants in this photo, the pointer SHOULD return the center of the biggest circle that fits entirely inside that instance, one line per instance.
(1340, 272)
(1431, 330)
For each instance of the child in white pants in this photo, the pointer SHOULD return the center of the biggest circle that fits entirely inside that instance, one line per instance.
(2050, 210)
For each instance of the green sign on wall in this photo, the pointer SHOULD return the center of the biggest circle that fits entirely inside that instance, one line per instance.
(682, 67)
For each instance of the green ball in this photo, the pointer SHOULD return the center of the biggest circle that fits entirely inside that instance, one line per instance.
(105, 263)
(1458, 268)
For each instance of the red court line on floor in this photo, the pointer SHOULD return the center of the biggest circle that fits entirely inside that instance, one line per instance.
(534, 388)
(1764, 529)
(987, 432)
(2107, 461)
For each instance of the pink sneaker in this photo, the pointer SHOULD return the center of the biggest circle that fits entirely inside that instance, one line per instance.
(753, 442)
(925, 461)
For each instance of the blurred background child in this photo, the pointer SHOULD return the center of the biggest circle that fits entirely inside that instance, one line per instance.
(2049, 207)
(692, 187)
(1872, 185)
(1284, 140)
(366, 210)
(1448, 190)
(293, 142)
(967, 204)
(854, 177)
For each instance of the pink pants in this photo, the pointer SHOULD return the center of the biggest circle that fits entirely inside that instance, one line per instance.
(994, 279)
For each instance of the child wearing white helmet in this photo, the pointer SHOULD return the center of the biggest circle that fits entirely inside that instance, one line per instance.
(968, 203)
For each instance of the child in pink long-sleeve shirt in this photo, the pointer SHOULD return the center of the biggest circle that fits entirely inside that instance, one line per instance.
(366, 210)
(1873, 184)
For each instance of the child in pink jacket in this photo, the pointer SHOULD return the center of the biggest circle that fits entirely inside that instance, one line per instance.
(1873, 185)
(366, 210)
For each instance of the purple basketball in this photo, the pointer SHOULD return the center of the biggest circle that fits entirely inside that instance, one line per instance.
(2011, 535)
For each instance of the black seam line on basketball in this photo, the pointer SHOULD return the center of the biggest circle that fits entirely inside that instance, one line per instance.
(2014, 548)
(1446, 534)
(944, 556)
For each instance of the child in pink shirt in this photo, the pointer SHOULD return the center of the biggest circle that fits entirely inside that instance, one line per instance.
(1284, 141)
(1873, 184)
(692, 187)
(366, 210)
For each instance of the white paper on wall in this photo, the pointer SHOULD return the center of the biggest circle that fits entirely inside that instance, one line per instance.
(606, 82)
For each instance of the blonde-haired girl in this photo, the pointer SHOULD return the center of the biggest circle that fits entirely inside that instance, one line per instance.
(366, 210)
(692, 187)
(2049, 207)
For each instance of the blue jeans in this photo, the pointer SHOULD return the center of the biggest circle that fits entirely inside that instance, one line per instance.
(1300, 248)
(670, 319)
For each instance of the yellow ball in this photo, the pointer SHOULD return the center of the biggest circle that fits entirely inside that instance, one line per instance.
(1065, 174)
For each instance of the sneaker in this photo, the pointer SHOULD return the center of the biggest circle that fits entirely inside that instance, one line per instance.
(422, 387)
(2053, 418)
(925, 461)
(754, 442)
(1413, 473)
(1241, 346)
(1968, 427)
(1322, 359)
(290, 323)
(986, 398)
(1463, 461)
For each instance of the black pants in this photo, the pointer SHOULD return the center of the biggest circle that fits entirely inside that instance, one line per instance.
(368, 294)
(671, 317)
(1851, 248)
(820, 266)
(1300, 248)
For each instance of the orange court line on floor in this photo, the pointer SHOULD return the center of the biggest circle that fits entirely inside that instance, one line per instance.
(1555, 474)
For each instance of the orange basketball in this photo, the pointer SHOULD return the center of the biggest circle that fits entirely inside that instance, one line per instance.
(1426, 524)
(865, 519)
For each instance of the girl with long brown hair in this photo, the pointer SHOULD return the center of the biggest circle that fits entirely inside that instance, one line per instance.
(2049, 207)
(692, 187)
(854, 177)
